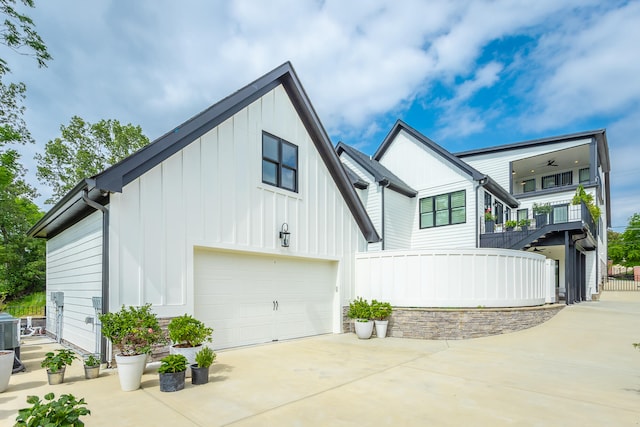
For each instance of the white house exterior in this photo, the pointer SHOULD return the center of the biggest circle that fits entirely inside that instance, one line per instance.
(192, 223)
(452, 193)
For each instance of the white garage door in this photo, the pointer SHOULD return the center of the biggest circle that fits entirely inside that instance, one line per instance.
(251, 299)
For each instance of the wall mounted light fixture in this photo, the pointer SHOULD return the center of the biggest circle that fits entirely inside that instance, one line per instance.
(284, 235)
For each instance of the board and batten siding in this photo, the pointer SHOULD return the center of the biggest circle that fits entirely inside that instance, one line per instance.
(74, 266)
(432, 175)
(371, 197)
(496, 164)
(211, 195)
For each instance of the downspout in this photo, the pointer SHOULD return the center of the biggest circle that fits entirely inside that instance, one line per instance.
(105, 263)
(480, 183)
(384, 183)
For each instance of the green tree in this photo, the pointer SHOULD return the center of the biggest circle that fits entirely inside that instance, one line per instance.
(22, 265)
(84, 150)
(18, 34)
(624, 248)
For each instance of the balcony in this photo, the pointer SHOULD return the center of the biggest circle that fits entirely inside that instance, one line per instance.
(561, 216)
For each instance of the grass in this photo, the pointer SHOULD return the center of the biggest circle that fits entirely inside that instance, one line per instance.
(30, 305)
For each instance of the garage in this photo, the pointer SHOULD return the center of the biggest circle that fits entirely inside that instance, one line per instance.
(254, 298)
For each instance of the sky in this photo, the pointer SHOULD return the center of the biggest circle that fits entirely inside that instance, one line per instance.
(467, 74)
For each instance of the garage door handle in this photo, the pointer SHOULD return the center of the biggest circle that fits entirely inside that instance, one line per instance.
(274, 305)
(277, 304)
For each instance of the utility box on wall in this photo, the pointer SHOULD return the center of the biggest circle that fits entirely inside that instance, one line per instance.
(57, 298)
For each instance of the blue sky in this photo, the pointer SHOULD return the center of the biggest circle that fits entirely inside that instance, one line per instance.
(467, 74)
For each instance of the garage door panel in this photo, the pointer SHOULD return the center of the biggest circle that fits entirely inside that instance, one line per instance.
(235, 291)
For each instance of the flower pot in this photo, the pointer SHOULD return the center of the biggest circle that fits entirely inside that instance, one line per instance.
(56, 377)
(381, 328)
(171, 381)
(6, 368)
(91, 372)
(199, 375)
(489, 226)
(130, 369)
(364, 329)
(189, 353)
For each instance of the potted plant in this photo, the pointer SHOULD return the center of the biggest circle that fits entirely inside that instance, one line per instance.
(524, 224)
(6, 368)
(66, 411)
(380, 311)
(56, 364)
(132, 331)
(510, 224)
(91, 367)
(489, 221)
(172, 372)
(187, 335)
(200, 370)
(541, 213)
(360, 311)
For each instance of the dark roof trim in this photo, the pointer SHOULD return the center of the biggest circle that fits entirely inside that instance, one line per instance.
(355, 179)
(117, 176)
(476, 175)
(380, 173)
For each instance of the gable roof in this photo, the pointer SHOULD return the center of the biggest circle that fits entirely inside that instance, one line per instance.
(484, 180)
(72, 208)
(379, 172)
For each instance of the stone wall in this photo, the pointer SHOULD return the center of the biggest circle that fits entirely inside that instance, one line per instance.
(453, 324)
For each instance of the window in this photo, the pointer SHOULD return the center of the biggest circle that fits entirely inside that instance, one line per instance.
(487, 201)
(279, 163)
(584, 175)
(529, 185)
(523, 214)
(560, 214)
(499, 212)
(557, 180)
(444, 209)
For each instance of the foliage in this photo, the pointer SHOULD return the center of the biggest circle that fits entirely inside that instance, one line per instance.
(380, 310)
(132, 330)
(582, 196)
(205, 357)
(186, 331)
(173, 363)
(3, 297)
(18, 34)
(524, 222)
(57, 361)
(624, 248)
(488, 216)
(91, 361)
(66, 411)
(34, 303)
(510, 223)
(84, 150)
(359, 309)
(13, 128)
(637, 345)
(539, 209)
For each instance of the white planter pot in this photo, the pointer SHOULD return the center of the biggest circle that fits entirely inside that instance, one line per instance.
(364, 329)
(130, 369)
(6, 368)
(189, 353)
(381, 328)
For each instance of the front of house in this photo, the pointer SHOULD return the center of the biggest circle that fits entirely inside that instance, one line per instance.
(246, 217)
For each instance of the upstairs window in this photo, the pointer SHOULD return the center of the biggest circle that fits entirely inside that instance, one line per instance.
(557, 180)
(529, 185)
(279, 163)
(444, 209)
(584, 175)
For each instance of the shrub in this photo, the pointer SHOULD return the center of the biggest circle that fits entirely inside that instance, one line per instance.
(186, 331)
(132, 330)
(359, 309)
(380, 310)
(173, 363)
(91, 361)
(66, 411)
(205, 357)
(524, 222)
(57, 361)
(510, 223)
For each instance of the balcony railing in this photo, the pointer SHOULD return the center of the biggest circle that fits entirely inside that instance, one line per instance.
(558, 213)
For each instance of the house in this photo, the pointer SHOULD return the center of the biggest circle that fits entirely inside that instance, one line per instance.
(424, 198)
(242, 216)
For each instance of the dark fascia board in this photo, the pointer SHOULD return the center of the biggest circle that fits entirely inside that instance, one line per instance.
(476, 175)
(380, 173)
(355, 179)
(117, 176)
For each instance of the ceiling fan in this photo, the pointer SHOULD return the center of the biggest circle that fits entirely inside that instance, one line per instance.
(551, 162)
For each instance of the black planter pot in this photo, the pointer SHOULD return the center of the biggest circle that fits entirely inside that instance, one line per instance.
(199, 375)
(172, 381)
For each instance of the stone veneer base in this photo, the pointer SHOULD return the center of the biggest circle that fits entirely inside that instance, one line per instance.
(461, 323)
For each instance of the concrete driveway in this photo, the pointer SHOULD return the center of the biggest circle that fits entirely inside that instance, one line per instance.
(578, 369)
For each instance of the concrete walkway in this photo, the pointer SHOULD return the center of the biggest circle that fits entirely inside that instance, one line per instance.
(578, 369)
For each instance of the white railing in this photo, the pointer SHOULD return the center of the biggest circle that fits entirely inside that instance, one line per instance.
(485, 277)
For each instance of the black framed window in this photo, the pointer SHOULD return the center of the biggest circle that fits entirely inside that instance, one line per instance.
(584, 175)
(499, 210)
(443, 209)
(279, 162)
(557, 180)
(523, 214)
(529, 185)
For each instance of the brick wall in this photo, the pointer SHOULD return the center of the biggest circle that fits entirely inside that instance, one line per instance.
(452, 324)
